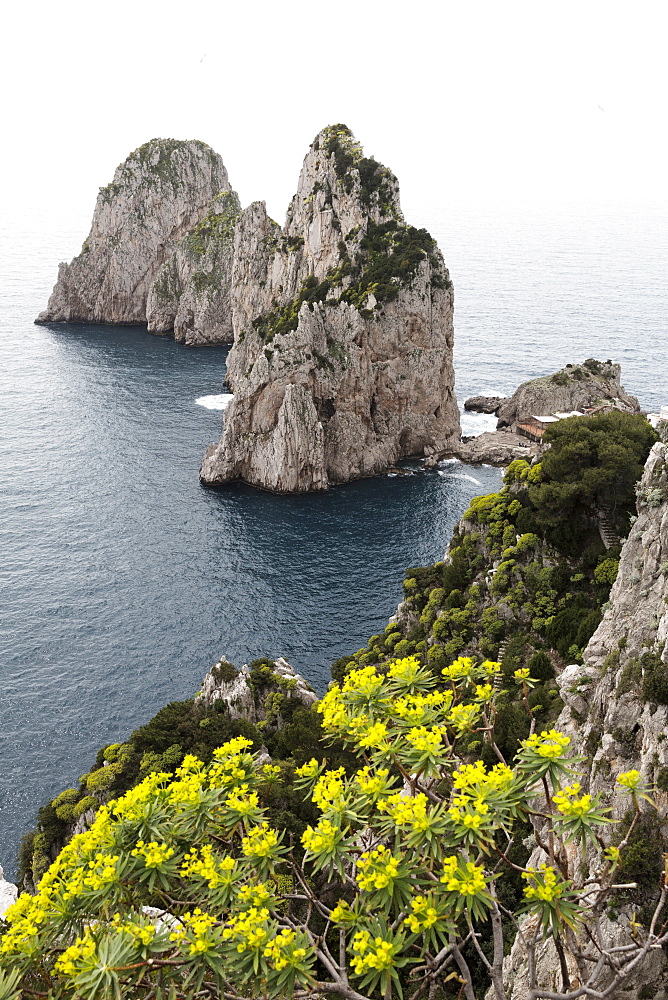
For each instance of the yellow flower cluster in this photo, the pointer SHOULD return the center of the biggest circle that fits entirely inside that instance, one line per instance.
(550, 744)
(416, 709)
(405, 670)
(459, 669)
(242, 801)
(154, 854)
(141, 935)
(255, 895)
(332, 709)
(308, 770)
(204, 864)
(195, 928)
(424, 915)
(320, 839)
(248, 929)
(377, 869)
(329, 790)
(484, 692)
(232, 763)
(463, 717)
(629, 779)
(102, 871)
(462, 814)
(467, 879)
(365, 682)
(522, 674)
(281, 951)
(407, 810)
(547, 885)
(71, 960)
(372, 784)
(569, 804)
(476, 778)
(232, 748)
(374, 737)
(377, 954)
(425, 740)
(261, 842)
(341, 912)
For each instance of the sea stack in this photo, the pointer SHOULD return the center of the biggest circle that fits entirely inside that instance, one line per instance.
(159, 249)
(342, 356)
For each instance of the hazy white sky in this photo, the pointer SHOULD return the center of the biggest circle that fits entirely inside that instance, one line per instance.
(463, 99)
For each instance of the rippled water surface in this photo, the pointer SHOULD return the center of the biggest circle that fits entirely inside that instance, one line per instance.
(123, 579)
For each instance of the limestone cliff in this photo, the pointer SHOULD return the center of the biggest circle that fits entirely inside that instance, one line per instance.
(575, 387)
(160, 194)
(616, 713)
(191, 293)
(342, 360)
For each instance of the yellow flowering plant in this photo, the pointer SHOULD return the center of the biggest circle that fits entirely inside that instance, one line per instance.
(182, 887)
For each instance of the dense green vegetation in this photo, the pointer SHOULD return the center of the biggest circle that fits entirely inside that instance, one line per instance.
(592, 465)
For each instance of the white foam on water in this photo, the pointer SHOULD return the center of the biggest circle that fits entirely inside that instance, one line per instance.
(473, 424)
(219, 402)
(459, 475)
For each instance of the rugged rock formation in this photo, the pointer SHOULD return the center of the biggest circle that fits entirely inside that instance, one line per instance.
(575, 387)
(494, 448)
(484, 404)
(616, 713)
(164, 191)
(242, 698)
(342, 361)
(191, 293)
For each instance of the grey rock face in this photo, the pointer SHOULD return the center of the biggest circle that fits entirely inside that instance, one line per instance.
(225, 684)
(573, 388)
(161, 192)
(610, 709)
(484, 404)
(342, 357)
(191, 293)
(494, 448)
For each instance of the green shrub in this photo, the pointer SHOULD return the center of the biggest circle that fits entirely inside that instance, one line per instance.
(606, 571)
(540, 666)
(630, 678)
(655, 678)
(83, 805)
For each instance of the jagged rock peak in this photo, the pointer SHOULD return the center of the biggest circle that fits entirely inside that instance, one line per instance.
(342, 361)
(161, 192)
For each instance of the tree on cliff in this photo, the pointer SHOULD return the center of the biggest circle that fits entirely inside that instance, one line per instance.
(593, 463)
(410, 880)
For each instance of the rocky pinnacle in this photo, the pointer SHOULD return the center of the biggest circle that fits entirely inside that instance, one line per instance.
(342, 357)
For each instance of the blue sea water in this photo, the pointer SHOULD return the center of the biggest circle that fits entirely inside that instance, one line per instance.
(123, 579)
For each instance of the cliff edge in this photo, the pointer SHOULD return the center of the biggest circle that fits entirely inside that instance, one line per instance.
(342, 357)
